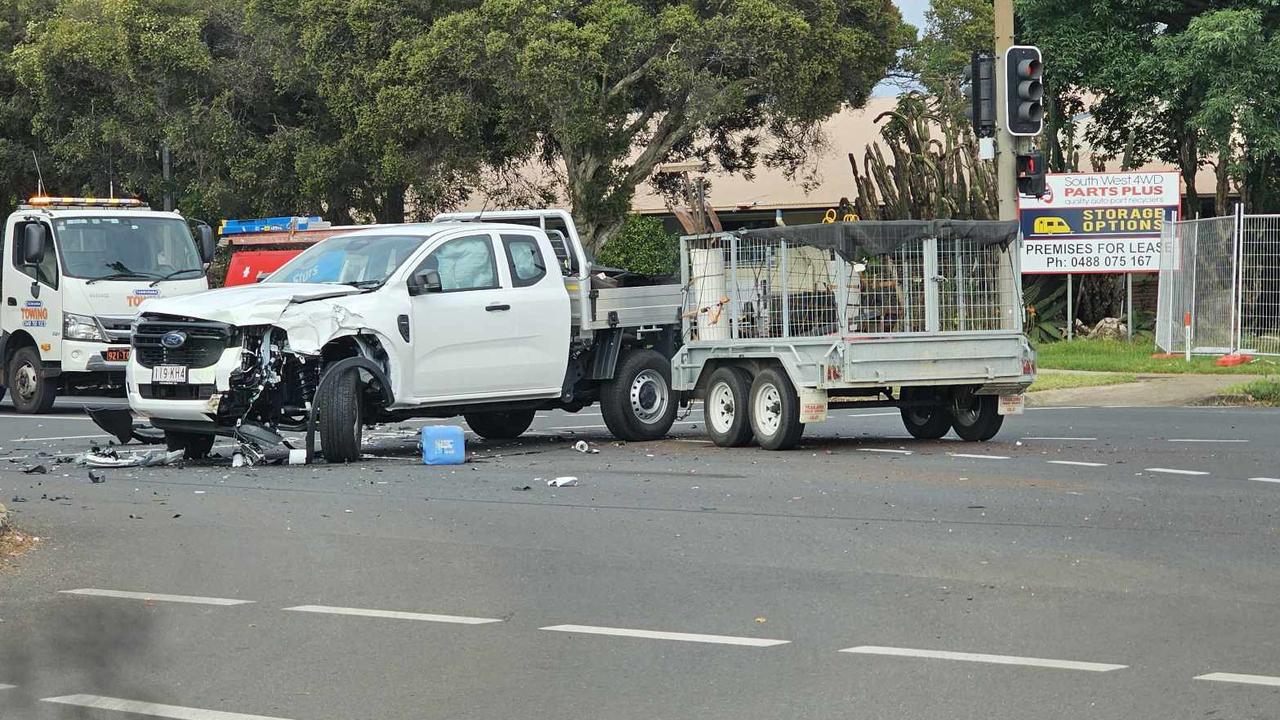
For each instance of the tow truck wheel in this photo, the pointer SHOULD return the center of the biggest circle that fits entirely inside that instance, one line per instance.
(637, 404)
(341, 424)
(500, 425)
(775, 411)
(32, 391)
(925, 423)
(194, 446)
(976, 418)
(725, 409)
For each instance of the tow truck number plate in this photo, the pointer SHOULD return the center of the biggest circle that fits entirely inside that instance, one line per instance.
(169, 374)
(116, 354)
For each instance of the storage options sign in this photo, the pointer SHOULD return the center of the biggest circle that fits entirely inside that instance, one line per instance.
(1098, 222)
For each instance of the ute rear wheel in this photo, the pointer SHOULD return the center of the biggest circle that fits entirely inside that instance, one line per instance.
(194, 446)
(638, 403)
(725, 409)
(775, 411)
(976, 418)
(500, 425)
(339, 412)
(923, 422)
(32, 391)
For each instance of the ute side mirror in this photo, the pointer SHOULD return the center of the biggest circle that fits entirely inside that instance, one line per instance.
(427, 281)
(206, 243)
(35, 239)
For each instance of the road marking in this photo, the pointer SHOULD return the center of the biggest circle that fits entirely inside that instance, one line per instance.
(395, 614)
(1060, 407)
(1080, 463)
(7, 687)
(124, 594)
(885, 450)
(15, 416)
(98, 702)
(979, 457)
(1237, 678)
(659, 635)
(1175, 471)
(1266, 479)
(597, 427)
(1034, 437)
(61, 437)
(1205, 440)
(979, 657)
(879, 414)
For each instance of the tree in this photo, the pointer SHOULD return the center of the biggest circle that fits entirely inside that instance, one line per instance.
(613, 88)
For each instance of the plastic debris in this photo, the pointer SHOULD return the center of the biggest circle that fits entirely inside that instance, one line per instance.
(567, 481)
(239, 460)
(297, 456)
(110, 458)
(96, 477)
(521, 488)
(35, 470)
(582, 447)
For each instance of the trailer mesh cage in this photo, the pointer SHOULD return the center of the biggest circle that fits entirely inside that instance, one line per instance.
(851, 279)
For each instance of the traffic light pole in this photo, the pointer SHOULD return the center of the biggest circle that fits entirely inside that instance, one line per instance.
(1006, 144)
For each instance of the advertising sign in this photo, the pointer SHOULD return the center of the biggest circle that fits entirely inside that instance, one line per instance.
(1098, 222)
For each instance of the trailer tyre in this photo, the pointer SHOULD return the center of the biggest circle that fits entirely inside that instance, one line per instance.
(775, 411)
(339, 411)
(500, 425)
(925, 423)
(976, 418)
(725, 410)
(194, 446)
(32, 391)
(638, 404)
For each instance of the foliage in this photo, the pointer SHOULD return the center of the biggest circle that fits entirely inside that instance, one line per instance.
(1045, 300)
(1136, 357)
(642, 245)
(1265, 391)
(1051, 380)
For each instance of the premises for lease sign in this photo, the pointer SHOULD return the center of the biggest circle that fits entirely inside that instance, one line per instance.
(1098, 222)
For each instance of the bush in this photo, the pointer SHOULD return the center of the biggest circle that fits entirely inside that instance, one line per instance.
(642, 245)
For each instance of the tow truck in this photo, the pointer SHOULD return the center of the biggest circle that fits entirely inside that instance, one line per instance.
(76, 271)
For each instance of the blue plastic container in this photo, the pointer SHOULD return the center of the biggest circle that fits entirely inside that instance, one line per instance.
(443, 445)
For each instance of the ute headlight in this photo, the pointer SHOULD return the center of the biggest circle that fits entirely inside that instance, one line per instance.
(81, 327)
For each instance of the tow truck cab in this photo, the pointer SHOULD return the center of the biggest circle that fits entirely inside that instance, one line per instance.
(75, 273)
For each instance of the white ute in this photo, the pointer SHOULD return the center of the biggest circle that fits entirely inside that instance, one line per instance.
(492, 320)
(76, 271)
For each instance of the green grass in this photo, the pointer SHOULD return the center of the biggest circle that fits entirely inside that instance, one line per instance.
(1119, 356)
(1265, 391)
(1050, 380)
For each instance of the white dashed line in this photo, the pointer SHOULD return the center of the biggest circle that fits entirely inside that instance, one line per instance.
(1237, 678)
(885, 450)
(177, 712)
(1062, 407)
(982, 658)
(61, 437)
(1266, 479)
(7, 687)
(1205, 440)
(160, 597)
(1175, 471)
(395, 615)
(877, 414)
(1079, 463)
(979, 457)
(659, 635)
(1079, 439)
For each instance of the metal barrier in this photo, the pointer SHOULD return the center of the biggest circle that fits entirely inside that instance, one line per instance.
(1220, 286)
(738, 288)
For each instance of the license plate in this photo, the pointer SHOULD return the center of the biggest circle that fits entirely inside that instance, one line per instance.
(169, 374)
(1012, 404)
(116, 354)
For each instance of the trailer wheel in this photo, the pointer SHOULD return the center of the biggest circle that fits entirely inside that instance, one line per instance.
(341, 424)
(194, 446)
(32, 391)
(775, 411)
(500, 425)
(925, 423)
(637, 404)
(976, 418)
(725, 410)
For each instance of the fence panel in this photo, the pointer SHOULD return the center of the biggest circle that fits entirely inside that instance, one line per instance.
(1259, 281)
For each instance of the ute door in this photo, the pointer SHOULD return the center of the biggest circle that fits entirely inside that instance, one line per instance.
(538, 313)
(460, 340)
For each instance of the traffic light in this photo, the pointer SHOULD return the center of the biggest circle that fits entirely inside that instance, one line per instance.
(1024, 90)
(1031, 180)
(980, 89)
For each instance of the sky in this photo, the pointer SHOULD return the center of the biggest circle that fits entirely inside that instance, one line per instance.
(913, 12)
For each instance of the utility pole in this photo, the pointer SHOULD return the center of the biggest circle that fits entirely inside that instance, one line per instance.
(166, 172)
(1006, 144)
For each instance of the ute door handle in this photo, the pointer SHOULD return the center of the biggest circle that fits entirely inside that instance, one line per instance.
(496, 307)
(12, 302)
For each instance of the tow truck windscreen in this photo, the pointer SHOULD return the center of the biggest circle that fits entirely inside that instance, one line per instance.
(360, 260)
(105, 248)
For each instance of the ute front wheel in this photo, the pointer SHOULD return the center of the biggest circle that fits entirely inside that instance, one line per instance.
(341, 421)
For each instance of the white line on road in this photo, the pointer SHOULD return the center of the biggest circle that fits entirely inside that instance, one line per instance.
(1266, 479)
(61, 437)
(177, 712)
(1079, 463)
(979, 457)
(1205, 440)
(395, 615)
(979, 657)
(877, 414)
(7, 687)
(659, 635)
(1237, 678)
(1035, 437)
(1175, 471)
(885, 450)
(597, 427)
(124, 594)
(8, 416)
(1060, 407)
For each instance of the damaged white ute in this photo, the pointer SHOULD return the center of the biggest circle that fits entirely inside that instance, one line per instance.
(490, 321)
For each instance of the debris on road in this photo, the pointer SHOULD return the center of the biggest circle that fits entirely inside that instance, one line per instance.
(567, 481)
(110, 458)
(520, 488)
(96, 477)
(35, 470)
(582, 447)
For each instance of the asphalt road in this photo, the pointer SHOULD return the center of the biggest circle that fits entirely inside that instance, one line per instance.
(1088, 563)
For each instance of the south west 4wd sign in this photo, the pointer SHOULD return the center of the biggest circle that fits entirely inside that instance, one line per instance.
(1098, 222)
